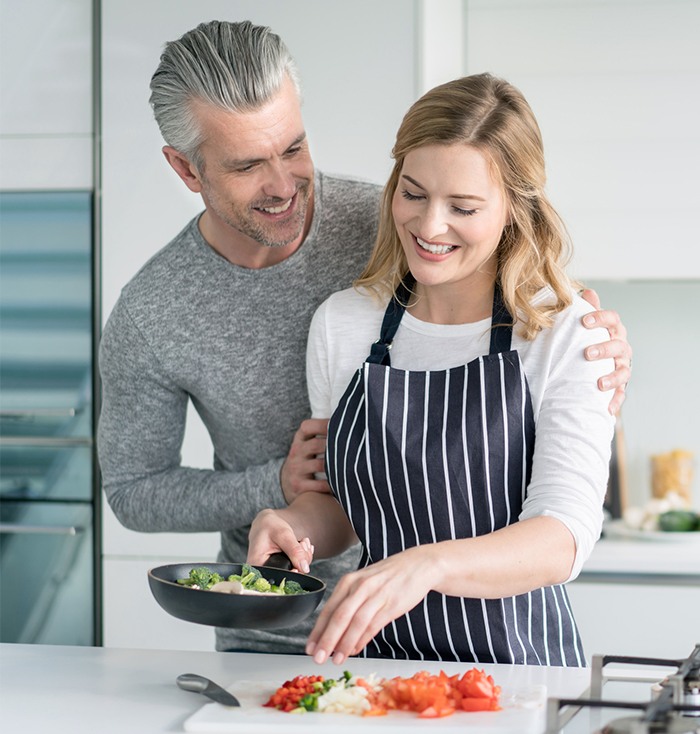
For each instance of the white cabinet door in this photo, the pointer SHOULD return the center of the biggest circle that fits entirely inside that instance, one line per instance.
(614, 86)
(46, 91)
(643, 620)
(134, 619)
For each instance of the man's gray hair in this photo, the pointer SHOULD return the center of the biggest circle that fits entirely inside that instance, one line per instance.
(234, 66)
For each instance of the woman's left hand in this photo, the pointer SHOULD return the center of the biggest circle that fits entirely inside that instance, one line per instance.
(367, 600)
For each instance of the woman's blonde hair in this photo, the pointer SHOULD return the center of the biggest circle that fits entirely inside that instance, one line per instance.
(492, 116)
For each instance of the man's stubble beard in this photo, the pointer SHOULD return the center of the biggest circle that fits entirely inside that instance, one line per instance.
(242, 220)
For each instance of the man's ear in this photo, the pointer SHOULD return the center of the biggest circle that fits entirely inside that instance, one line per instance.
(184, 169)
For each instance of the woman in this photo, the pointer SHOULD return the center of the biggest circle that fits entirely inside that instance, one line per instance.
(469, 452)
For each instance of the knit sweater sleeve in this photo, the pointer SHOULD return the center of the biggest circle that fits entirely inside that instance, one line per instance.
(139, 440)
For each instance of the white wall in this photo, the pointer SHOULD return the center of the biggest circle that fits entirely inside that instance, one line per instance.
(660, 413)
(615, 85)
(46, 140)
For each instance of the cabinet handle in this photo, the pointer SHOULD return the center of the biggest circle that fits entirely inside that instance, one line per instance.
(19, 529)
(48, 441)
(22, 413)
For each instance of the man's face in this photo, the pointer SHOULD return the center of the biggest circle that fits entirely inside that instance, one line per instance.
(257, 177)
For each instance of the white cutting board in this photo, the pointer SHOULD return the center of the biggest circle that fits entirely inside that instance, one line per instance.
(523, 712)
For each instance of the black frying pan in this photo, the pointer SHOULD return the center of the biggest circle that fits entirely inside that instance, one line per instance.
(234, 610)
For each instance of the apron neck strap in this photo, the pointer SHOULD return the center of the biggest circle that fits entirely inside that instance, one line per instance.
(501, 323)
(392, 318)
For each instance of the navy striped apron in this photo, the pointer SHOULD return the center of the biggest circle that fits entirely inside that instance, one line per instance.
(421, 457)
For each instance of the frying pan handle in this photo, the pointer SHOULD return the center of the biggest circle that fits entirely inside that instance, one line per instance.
(279, 560)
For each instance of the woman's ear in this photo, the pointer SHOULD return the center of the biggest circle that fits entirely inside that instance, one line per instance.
(184, 168)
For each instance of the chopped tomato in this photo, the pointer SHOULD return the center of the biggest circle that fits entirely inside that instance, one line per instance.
(479, 704)
(439, 695)
(476, 684)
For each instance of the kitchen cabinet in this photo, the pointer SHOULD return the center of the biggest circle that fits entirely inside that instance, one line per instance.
(46, 87)
(610, 83)
(636, 617)
(133, 618)
(639, 598)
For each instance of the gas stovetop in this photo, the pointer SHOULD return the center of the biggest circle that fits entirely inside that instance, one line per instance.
(630, 695)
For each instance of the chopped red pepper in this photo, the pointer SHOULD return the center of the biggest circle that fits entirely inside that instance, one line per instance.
(288, 695)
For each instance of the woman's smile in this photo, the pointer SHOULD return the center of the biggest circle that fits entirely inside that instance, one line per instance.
(433, 248)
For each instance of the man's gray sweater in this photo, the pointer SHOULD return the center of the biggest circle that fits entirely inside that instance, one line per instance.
(192, 326)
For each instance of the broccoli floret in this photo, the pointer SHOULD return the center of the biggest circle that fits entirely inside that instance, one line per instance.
(261, 584)
(246, 570)
(292, 587)
(215, 578)
(200, 577)
(249, 576)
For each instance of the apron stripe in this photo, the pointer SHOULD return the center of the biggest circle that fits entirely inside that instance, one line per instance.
(504, 412)
(409, 504)
(524, 439)
(424, 455)
(445, 462)
(380, 541)
(545, 626)
(487, 449)
(396, 523)
(511, 611)
(404, 465)
(466, 451)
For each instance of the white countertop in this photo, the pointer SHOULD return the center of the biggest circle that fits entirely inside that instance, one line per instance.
(667, 558)
(92, 690)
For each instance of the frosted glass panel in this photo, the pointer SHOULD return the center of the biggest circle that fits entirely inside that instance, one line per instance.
(46, 307)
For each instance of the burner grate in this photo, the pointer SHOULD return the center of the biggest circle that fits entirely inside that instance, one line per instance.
(671, 711)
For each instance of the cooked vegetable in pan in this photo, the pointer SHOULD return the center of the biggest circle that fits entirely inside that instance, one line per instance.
(249, 581)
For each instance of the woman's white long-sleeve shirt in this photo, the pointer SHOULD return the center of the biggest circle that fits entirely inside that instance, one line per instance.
(573, 426)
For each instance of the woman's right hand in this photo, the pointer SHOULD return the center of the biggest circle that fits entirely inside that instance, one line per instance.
(270, 533)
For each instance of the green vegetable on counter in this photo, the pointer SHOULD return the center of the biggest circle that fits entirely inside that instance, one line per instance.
(679, 521)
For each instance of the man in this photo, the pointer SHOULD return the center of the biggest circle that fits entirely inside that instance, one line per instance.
(220, 315)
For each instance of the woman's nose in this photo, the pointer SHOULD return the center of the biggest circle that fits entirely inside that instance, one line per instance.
(433, 222)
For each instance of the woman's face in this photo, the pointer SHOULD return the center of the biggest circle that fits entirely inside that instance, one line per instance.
(449, 213)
